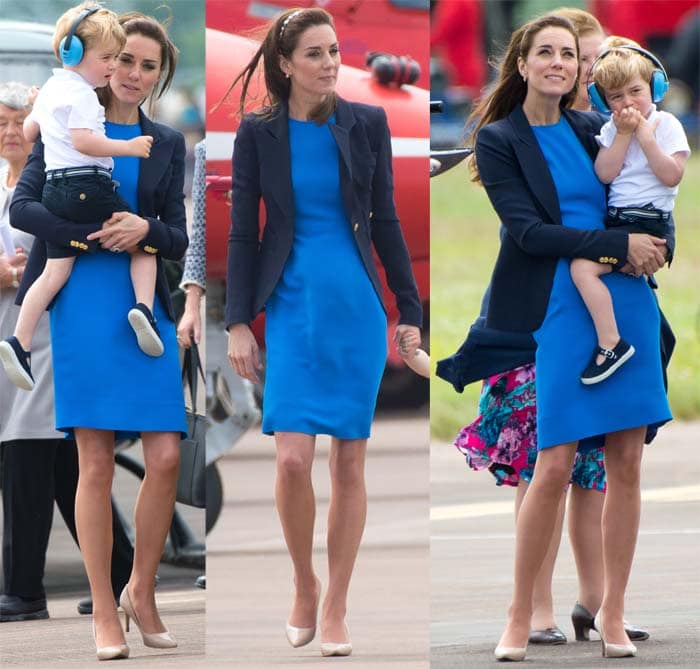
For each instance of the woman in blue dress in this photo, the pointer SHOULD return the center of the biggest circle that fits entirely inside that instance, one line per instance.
(534, 157)
(105, 388)
(322, 165)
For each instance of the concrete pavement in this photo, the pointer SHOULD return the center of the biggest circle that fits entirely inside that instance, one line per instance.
(65, 639)
(250, 576)
(472, 541)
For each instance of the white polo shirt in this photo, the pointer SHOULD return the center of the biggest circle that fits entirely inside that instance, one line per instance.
(636, 184)
(66, 101)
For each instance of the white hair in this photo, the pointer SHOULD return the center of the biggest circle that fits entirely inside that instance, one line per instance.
(14, 95)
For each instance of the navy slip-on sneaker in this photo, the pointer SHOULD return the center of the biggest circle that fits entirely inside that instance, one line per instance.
(614, 359)
(17, 363)
(144, 326)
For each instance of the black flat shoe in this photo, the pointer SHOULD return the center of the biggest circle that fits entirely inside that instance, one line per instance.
(13, 609)
(552, 636)
(583, 623)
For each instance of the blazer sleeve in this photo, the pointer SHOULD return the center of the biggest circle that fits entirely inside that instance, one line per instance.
(28, 214)
(243, 244)
(168, 231)
(386, 231)
(512, 199)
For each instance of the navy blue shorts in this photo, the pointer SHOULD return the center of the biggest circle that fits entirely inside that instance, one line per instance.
(89, 198)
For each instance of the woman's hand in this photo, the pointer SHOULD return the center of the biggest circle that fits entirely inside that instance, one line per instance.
(12, 268)
(243, 352)
(121, 231)
(407, 340)
(646, 253)
(190, 326)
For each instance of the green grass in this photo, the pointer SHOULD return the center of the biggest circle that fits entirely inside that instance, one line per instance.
(464, 244)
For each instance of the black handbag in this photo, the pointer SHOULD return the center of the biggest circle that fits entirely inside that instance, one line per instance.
(191, 482)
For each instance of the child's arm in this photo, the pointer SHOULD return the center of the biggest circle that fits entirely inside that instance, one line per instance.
(668, 169)
(30, 129)
(90, 143)
(609, 161)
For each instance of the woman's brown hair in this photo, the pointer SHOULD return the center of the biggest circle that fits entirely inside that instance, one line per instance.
(510, 89)
(281, 39)
(136, 23)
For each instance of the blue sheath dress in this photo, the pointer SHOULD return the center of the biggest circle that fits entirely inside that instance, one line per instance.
(325, 329)
(634, 396)
(102, 379)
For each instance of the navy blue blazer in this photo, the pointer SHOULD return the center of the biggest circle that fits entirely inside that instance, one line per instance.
(262, 168)
(160, 202)
(521, 189)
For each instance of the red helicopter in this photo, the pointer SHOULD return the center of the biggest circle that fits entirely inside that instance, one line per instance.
(407, 109)
(392, 26)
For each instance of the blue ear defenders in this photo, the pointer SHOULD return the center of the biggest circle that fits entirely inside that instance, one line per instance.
(71, 47)
(658, 83)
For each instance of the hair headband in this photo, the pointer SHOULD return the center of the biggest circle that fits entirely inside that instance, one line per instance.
(287, 20)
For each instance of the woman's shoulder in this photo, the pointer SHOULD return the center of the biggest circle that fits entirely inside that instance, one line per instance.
(588, 121)
(365, 112)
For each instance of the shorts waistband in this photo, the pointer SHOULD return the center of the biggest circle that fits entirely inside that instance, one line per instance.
(646, 212)
(68, 172)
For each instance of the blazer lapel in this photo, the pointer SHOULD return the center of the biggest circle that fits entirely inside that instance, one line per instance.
(274, 150)
(151, 170)
(534, 164)
(344, 121)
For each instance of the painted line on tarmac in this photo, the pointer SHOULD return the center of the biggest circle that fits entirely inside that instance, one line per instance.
(511, 535)
(688, 493)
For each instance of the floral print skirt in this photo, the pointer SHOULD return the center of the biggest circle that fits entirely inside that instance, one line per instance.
(503, 438)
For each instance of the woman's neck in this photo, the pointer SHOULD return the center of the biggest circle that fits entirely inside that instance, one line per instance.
(300, 108)
(13, 173)
(124, 114)
(541, 110)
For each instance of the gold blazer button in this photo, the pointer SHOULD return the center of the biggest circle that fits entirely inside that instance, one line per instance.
(83, 196)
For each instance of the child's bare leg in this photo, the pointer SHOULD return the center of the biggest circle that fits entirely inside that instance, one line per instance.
(143, 277)
(586, 277)
(39, 296)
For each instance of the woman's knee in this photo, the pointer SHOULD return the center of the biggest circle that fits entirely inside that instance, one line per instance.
(95, 457)
(553, 470)
(164, 461)
(294, 462)
(347, 465)
(623, 468)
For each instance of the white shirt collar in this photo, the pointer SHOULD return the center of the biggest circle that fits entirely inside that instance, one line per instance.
(62, 73)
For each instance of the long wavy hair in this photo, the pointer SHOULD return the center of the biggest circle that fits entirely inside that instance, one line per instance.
(510, 89)
(280, 40)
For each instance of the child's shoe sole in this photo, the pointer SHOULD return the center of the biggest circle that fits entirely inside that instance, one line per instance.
(148, 340)
(13, 367)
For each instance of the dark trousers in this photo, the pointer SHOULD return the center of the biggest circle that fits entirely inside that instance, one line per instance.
(35, 472)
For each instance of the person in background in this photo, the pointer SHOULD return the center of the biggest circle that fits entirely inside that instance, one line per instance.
(194, 277)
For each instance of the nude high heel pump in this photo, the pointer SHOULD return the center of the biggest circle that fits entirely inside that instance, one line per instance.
(300, 636)
(110, 652)
(510, 654)
(152, 640)
(333, 649)
(614, 649)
